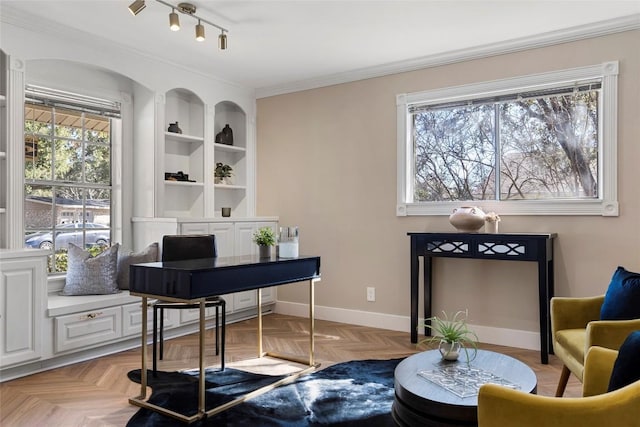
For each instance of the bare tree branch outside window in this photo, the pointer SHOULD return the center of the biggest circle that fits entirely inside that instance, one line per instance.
(544, 148)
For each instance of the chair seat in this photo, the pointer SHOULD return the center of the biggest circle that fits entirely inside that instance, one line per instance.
(570, 347)
(573, 341)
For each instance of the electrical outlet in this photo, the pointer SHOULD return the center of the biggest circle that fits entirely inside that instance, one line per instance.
(371, 294)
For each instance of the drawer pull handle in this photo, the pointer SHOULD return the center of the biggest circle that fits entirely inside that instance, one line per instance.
(93, 315)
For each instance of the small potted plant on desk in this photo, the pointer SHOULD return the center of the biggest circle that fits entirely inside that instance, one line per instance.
(452, 335)
(222, 173)
(264, 238)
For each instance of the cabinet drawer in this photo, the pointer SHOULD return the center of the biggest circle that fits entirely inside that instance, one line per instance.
(268, 295)
(191, 315)
(88, 328)
(246, 299)
(132, 319)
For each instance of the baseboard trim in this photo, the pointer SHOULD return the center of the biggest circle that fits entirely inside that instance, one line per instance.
(487, 334)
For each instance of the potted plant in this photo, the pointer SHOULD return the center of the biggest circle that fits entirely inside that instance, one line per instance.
(264, 237)
(222, 173)
(452, 335)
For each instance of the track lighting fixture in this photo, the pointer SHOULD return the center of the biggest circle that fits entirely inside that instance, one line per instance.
(222, 41)
(186, 9)
(174, 21)
(199, 32)
(136, 7)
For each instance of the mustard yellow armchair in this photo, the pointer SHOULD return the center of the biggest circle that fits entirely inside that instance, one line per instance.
(503, 407)
(575, 327)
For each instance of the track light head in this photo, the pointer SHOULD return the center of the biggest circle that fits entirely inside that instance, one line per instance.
(199, 32)
(136, 7)
(174, 21)
(187, 8)
(222, 41)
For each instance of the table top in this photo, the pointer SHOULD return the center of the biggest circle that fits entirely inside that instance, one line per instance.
(481, 234)
(429, 397)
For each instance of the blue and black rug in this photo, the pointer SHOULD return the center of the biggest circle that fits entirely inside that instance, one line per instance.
(357, 393)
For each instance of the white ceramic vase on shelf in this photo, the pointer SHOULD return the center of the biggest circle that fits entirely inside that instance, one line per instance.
(467, 219)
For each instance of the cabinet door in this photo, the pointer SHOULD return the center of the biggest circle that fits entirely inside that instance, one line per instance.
(268, 295)
(244, 244)
(225, 237)
(244, 236)
(245, 299)
(22, 290)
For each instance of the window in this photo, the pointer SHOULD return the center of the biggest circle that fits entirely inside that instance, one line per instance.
(540, 144)
(68, 164)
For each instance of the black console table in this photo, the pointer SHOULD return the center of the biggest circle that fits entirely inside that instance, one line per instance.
(536, 247)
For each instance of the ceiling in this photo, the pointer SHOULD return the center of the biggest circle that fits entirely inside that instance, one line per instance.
(277, 44)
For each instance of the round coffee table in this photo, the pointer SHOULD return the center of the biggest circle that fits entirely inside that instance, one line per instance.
(422, 402)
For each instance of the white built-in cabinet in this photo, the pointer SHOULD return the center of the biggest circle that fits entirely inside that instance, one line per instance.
(194, 206)
(195, 153)
(22, 304)
(184, 152)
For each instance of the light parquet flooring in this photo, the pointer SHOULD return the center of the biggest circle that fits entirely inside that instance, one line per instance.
(95, 393)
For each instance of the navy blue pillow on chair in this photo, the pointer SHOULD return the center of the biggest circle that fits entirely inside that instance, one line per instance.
(622, 299)
(626, 369)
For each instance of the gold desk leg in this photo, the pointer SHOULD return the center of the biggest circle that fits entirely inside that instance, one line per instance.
(140, 402)
(259, 299)
(289, 378)
(201, 384)
(312, 328)
(143, 348)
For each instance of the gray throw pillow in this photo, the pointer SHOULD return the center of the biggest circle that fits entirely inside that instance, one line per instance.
(125, 259)
(87, 275)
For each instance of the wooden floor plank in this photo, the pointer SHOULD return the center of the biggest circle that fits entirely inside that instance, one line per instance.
(95, 393)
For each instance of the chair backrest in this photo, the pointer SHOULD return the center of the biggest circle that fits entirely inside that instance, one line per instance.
(178, 248)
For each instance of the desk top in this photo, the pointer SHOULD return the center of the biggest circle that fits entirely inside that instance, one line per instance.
(201, 278)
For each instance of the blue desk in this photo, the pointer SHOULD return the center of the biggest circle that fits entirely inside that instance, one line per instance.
(536, 247)
(193, 281)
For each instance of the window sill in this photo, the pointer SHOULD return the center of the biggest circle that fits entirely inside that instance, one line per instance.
(55, 283)
(520, 207)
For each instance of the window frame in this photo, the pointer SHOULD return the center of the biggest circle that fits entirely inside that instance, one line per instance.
(607, 202)
(116, 138)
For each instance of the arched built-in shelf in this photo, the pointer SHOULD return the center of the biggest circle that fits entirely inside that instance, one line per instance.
(184, 152)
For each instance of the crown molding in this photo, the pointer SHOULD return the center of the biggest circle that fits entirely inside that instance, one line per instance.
(597, 29)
